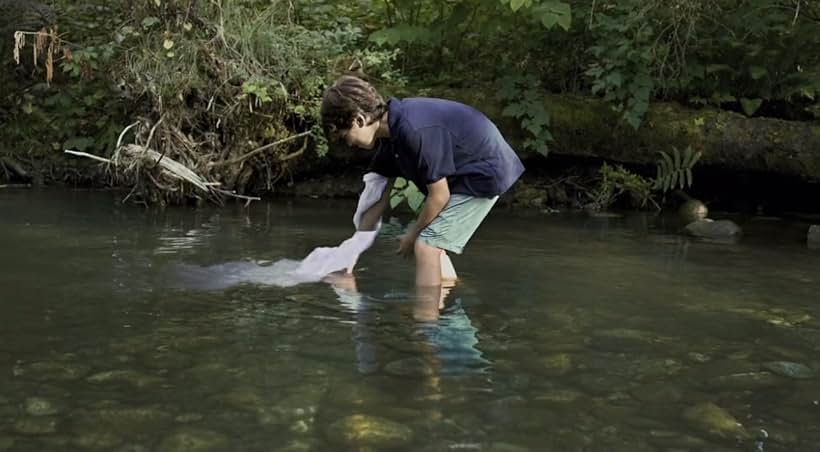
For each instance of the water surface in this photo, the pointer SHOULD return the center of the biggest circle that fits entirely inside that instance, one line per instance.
(567, 333)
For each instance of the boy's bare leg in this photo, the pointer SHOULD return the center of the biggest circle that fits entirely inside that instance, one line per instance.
(428, 281)
(428, 265)
(448, 271)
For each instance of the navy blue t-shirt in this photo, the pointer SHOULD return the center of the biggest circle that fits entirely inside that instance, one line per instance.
(435, 138)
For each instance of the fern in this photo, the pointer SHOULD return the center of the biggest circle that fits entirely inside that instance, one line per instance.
(675, 171)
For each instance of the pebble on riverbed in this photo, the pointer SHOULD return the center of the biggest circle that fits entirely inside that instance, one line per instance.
(194, 440)
(35, 425)
(38, 406)
(715, 420)
(813, 236)
(792, 370)
(360, 430)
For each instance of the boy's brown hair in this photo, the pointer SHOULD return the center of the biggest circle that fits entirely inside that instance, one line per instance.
(350, 95)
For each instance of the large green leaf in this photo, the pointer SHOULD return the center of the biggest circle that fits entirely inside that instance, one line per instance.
(552, 13)
(415, 199)
(758, 72)
(517, 4)
(750, 106)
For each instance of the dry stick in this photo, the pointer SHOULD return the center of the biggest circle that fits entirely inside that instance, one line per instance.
(262, 149)
(295, 154)
(151, 136)
(15, 166)
(116, 158)
(86, 154)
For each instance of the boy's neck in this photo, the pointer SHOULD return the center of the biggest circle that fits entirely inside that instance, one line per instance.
(384, 126)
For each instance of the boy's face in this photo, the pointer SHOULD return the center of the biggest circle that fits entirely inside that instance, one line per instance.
(361, 134)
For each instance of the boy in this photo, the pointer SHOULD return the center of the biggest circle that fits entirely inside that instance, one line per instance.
(453, 153)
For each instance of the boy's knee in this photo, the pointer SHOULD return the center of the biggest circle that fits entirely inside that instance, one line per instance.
(423, 249)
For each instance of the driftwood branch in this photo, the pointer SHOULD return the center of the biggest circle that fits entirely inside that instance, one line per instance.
(170, 168)
(261, 149)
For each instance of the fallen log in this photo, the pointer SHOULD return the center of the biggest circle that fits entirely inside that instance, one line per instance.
(589, 127)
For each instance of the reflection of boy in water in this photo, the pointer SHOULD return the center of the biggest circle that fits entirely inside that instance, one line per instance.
(449, 335)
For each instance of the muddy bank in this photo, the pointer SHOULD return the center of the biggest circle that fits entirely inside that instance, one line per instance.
(558, 182)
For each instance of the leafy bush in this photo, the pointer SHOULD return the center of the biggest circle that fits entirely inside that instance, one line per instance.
(616, 181)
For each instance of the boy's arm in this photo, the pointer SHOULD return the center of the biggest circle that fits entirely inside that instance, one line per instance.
(438, 193)
(371, 216)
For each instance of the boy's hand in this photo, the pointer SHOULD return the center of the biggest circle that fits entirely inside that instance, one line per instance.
(406, 244)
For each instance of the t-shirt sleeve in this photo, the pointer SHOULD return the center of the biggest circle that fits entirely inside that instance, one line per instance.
(434, 148)
(384, 163)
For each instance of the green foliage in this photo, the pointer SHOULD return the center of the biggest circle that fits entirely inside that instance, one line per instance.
(81, 109)
(621, 70)
(405, 191)
(771, 50)
(251, 71)
(548, 12)
(675, 170)
(616, 181)
(523, 102)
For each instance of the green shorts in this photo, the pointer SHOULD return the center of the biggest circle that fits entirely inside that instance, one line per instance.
(457, 222)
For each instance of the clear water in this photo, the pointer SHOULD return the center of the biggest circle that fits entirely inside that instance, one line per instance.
(567, 333)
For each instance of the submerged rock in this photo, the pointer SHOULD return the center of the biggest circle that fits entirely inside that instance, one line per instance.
(298, 445)
(791, 370)
(360, 430)
(6, 443)
(558, 396)
(95, 440)
(813, 237)
(410, 367)
(505, 447)
(553, 365)
(715, 420)
(658, 392)
(622, 339)
(127, 420)
(716, 230)
(132, 377)
(50, 370)
(743, 380)
(36, 425)
(169, 360)
(358, 395)
(38, 406)
(244, 398)
(193, 440)
(297, 410)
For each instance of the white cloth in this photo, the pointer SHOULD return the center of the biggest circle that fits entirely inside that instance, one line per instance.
(319, 263)
(325, 260)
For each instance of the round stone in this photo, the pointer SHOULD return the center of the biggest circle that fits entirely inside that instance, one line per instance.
(37, 406)
(410, 367)
(789, 369)
(360, 430)
(36, 425)
(194, 440)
